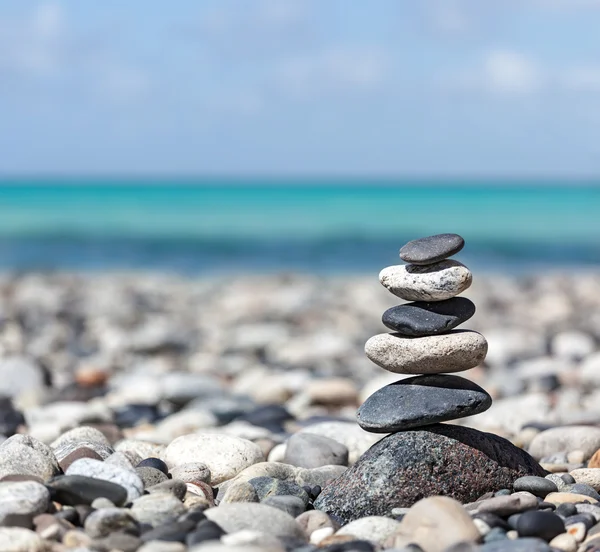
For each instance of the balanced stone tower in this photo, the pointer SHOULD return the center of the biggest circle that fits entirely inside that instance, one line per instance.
(425, 342)
(422, 456)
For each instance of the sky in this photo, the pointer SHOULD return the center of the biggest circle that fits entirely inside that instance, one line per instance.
(300, 87)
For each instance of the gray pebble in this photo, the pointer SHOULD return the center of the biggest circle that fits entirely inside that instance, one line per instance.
(292, 505)
(157, 508)
(173, 486)
(150, 476)
(192, 472)
(23, 498)
(102, 523)
(307, 450)
(431, 249)
(539, 486)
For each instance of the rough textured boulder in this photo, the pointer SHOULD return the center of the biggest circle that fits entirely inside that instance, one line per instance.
(441, 459)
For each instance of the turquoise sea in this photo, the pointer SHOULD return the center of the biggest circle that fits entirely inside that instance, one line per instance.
(198, 226)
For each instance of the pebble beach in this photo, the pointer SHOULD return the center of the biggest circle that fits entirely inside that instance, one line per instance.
(163, 414)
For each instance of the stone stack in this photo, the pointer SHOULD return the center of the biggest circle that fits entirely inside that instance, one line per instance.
(425, 343)
(422, 457)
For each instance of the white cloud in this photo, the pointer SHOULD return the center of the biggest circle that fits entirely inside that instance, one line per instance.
(508, 72)
(449, 16)
(582, 78)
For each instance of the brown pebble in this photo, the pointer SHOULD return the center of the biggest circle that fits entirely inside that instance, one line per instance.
(89, 376)
(83, 452)
(594, 460)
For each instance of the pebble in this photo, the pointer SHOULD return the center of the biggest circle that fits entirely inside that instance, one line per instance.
(35, 444)
(173, 486)
(155, 463)
(240, 491)
(435, 282)
(78, 454)
(435, 524)
(191, 472)
(544, 525)
(225, 456)
(564, 542)
(22, 498)
(312, 520)
(313, 451)
(421, 318)
(562, 497)
(589, 476)
(127, 479)
(157, 508)
(10, 418)
(431, 249)
(505, 505)
(539, 486)
(455, 351)
(376, 529)
(528, 544)
(162, 546)
(17, 539)
(333, 392)
(150, 476)
(420, 401)
(72, 490)
(81, 437)
(582, 488)
(565, 439)
(578, 530)
(205, 531)
(259, 517)
(269, 486)
(145, 449)
(18, 459)
(101, 523)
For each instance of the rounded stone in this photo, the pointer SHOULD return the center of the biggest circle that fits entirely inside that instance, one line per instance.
(539, 486)
(155, 463)
(455, 351)
(77, 454)
(565, 439)
(23, 498)
(442, 459)
(157, 508)
(375, 529)
(306, 450)
(240, 516)
(115, 474)
(428, 318)
(269, 486)
(192, 472)
(420, 401)
(72, 490)
(102, 523)
(17, 539)
(79, 437)
(18, 459)
(435, 524)
(225, 456)
(431, 249)
(544, 525)
(435, 282)
(150, 476)
(292, 505)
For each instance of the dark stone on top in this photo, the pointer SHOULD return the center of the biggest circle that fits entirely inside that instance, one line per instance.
(72, 490)
(350, 546)
(544, 525)
(10, 417)
(441, 459)
(428, 317)
(420, 401)
(431, 249)
(539, 486)
(155, 463)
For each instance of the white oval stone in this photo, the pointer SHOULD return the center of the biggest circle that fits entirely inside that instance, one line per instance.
(435, 282)
(375, 529)
(455, 351)
(565, 439)
(224, 455)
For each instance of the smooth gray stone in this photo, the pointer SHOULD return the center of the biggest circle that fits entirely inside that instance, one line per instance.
(539, 486)
(101, 523)
(431, 249)
(306, 450)
(79, 489)
(421, 401)
(269, 486)
(519, 545)
(422, 318)
(22, 498)
(150, 476)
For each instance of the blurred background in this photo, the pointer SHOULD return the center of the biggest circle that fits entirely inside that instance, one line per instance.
(200, 195)
(268, 135)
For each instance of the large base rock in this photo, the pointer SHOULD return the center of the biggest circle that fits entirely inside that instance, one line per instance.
(441, 459)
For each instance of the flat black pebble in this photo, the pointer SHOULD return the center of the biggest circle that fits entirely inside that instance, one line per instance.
(270, 416)
(135, 414)
(421, 400)
(431, 249)
(428, 317)
(544, 525)
(72, 490)
(155, 463)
